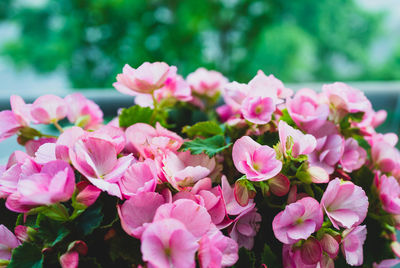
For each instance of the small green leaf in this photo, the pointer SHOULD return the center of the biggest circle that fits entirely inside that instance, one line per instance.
(210, 146)
(135, 114)
(287, 118)
(50, 231)
(204, 129)
(356, 117)
(269, 258)
(89, 220)
(26, 256)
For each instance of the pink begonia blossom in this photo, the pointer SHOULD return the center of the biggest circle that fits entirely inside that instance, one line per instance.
(195, 217)
(388, 263)
(145, 79)
(205, 82)
(139, 177)
(346, 98)
(245, 227)
(184, 169)
(138, 211)
(232, 206)
(318, 174)
(115, 135)
(21, 232)
(258, 110)
(234, 94)
(328, 152)
(167, 243)
(80, 108)
(97, 160)
(345, 203)
(48, 109)
(9, 124)
(69, 259)
(352, 244)
(266, 86)
(389, 193)
(55, 183)
(258, 162)
(217, 250)
(306, 110)
(302, 144)
(175, 87)
(298, 221)
(32, 146)
(311, 251)
(292, 258)
(385, 156)
(66, 140)
(148, 141)
(224, 112)
(354, 156)
(8, 241)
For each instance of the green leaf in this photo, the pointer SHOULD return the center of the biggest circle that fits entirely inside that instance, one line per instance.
(269, 258)
(135, 114)
(50, 231)
(26, 256)
(204, 129)
(246, 259)
(287, 118)
(125, 247)
(356, 117)
(88, 262)
(89, 220)
(210, 146)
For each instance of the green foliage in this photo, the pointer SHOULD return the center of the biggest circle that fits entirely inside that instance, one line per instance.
(26, 256)
(49, 231)
(247, 258)
(287, 118)
(89, 220)
(268, 257)
(135, 114)
(294, 40)
(210, 146)
(204, 129)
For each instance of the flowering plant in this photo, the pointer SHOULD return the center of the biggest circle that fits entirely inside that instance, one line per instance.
(269, 178)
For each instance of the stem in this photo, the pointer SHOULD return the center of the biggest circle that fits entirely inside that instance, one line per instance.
(55, 123)
(155, 110)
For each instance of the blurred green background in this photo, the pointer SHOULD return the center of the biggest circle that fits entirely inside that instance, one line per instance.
(87, 42)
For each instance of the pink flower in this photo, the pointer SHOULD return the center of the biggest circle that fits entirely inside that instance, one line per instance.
(330, 245)
(69, 259)
(245, 227)
(232, 206)
(97, 160)
(66, 140)
(195, 217)
(148, 141)
(87, 194)
(302, 144)
(385, 156)
(32, 146)
(343, 97)
(217, 250)
(138, 211)
(352, 244)
(80, 108)
(328, 152)
(205, 82)
(345, 204)
(353, 156)
(279, 185)
(55, 183)
(184, 169)
(306, 110)
(266, 86)
(167, 243)
(48, 109)
(298, 221)
(258, 162)
(145, 79)
(389, 193)
(139, 177)
(388, 263)
(8, 241)
(234, 94)
(258, 110)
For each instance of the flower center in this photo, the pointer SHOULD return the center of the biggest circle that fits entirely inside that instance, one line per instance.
(258, 109)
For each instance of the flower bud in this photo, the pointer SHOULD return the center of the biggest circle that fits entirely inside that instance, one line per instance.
(330, 245)
(87, 193)
(21, 232)
(311, 251)
(279, 185)
(318, 174)
(244, 191)
(395, 246)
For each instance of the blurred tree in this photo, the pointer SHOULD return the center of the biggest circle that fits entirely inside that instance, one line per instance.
(296, 40)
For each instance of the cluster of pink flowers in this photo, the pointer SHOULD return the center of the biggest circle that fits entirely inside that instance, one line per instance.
(296, 173)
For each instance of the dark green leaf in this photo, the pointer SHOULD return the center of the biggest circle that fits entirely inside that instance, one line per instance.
(50, 231)
(268, 257)
(287, 118)
(125, 247)
(246, 259)
(210, 146)
(90, 219)
(356, 117)
(26, 256)
(135, 114)
(204, 129)
(88, 262)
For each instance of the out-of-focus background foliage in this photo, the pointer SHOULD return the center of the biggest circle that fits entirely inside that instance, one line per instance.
(85, 43)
